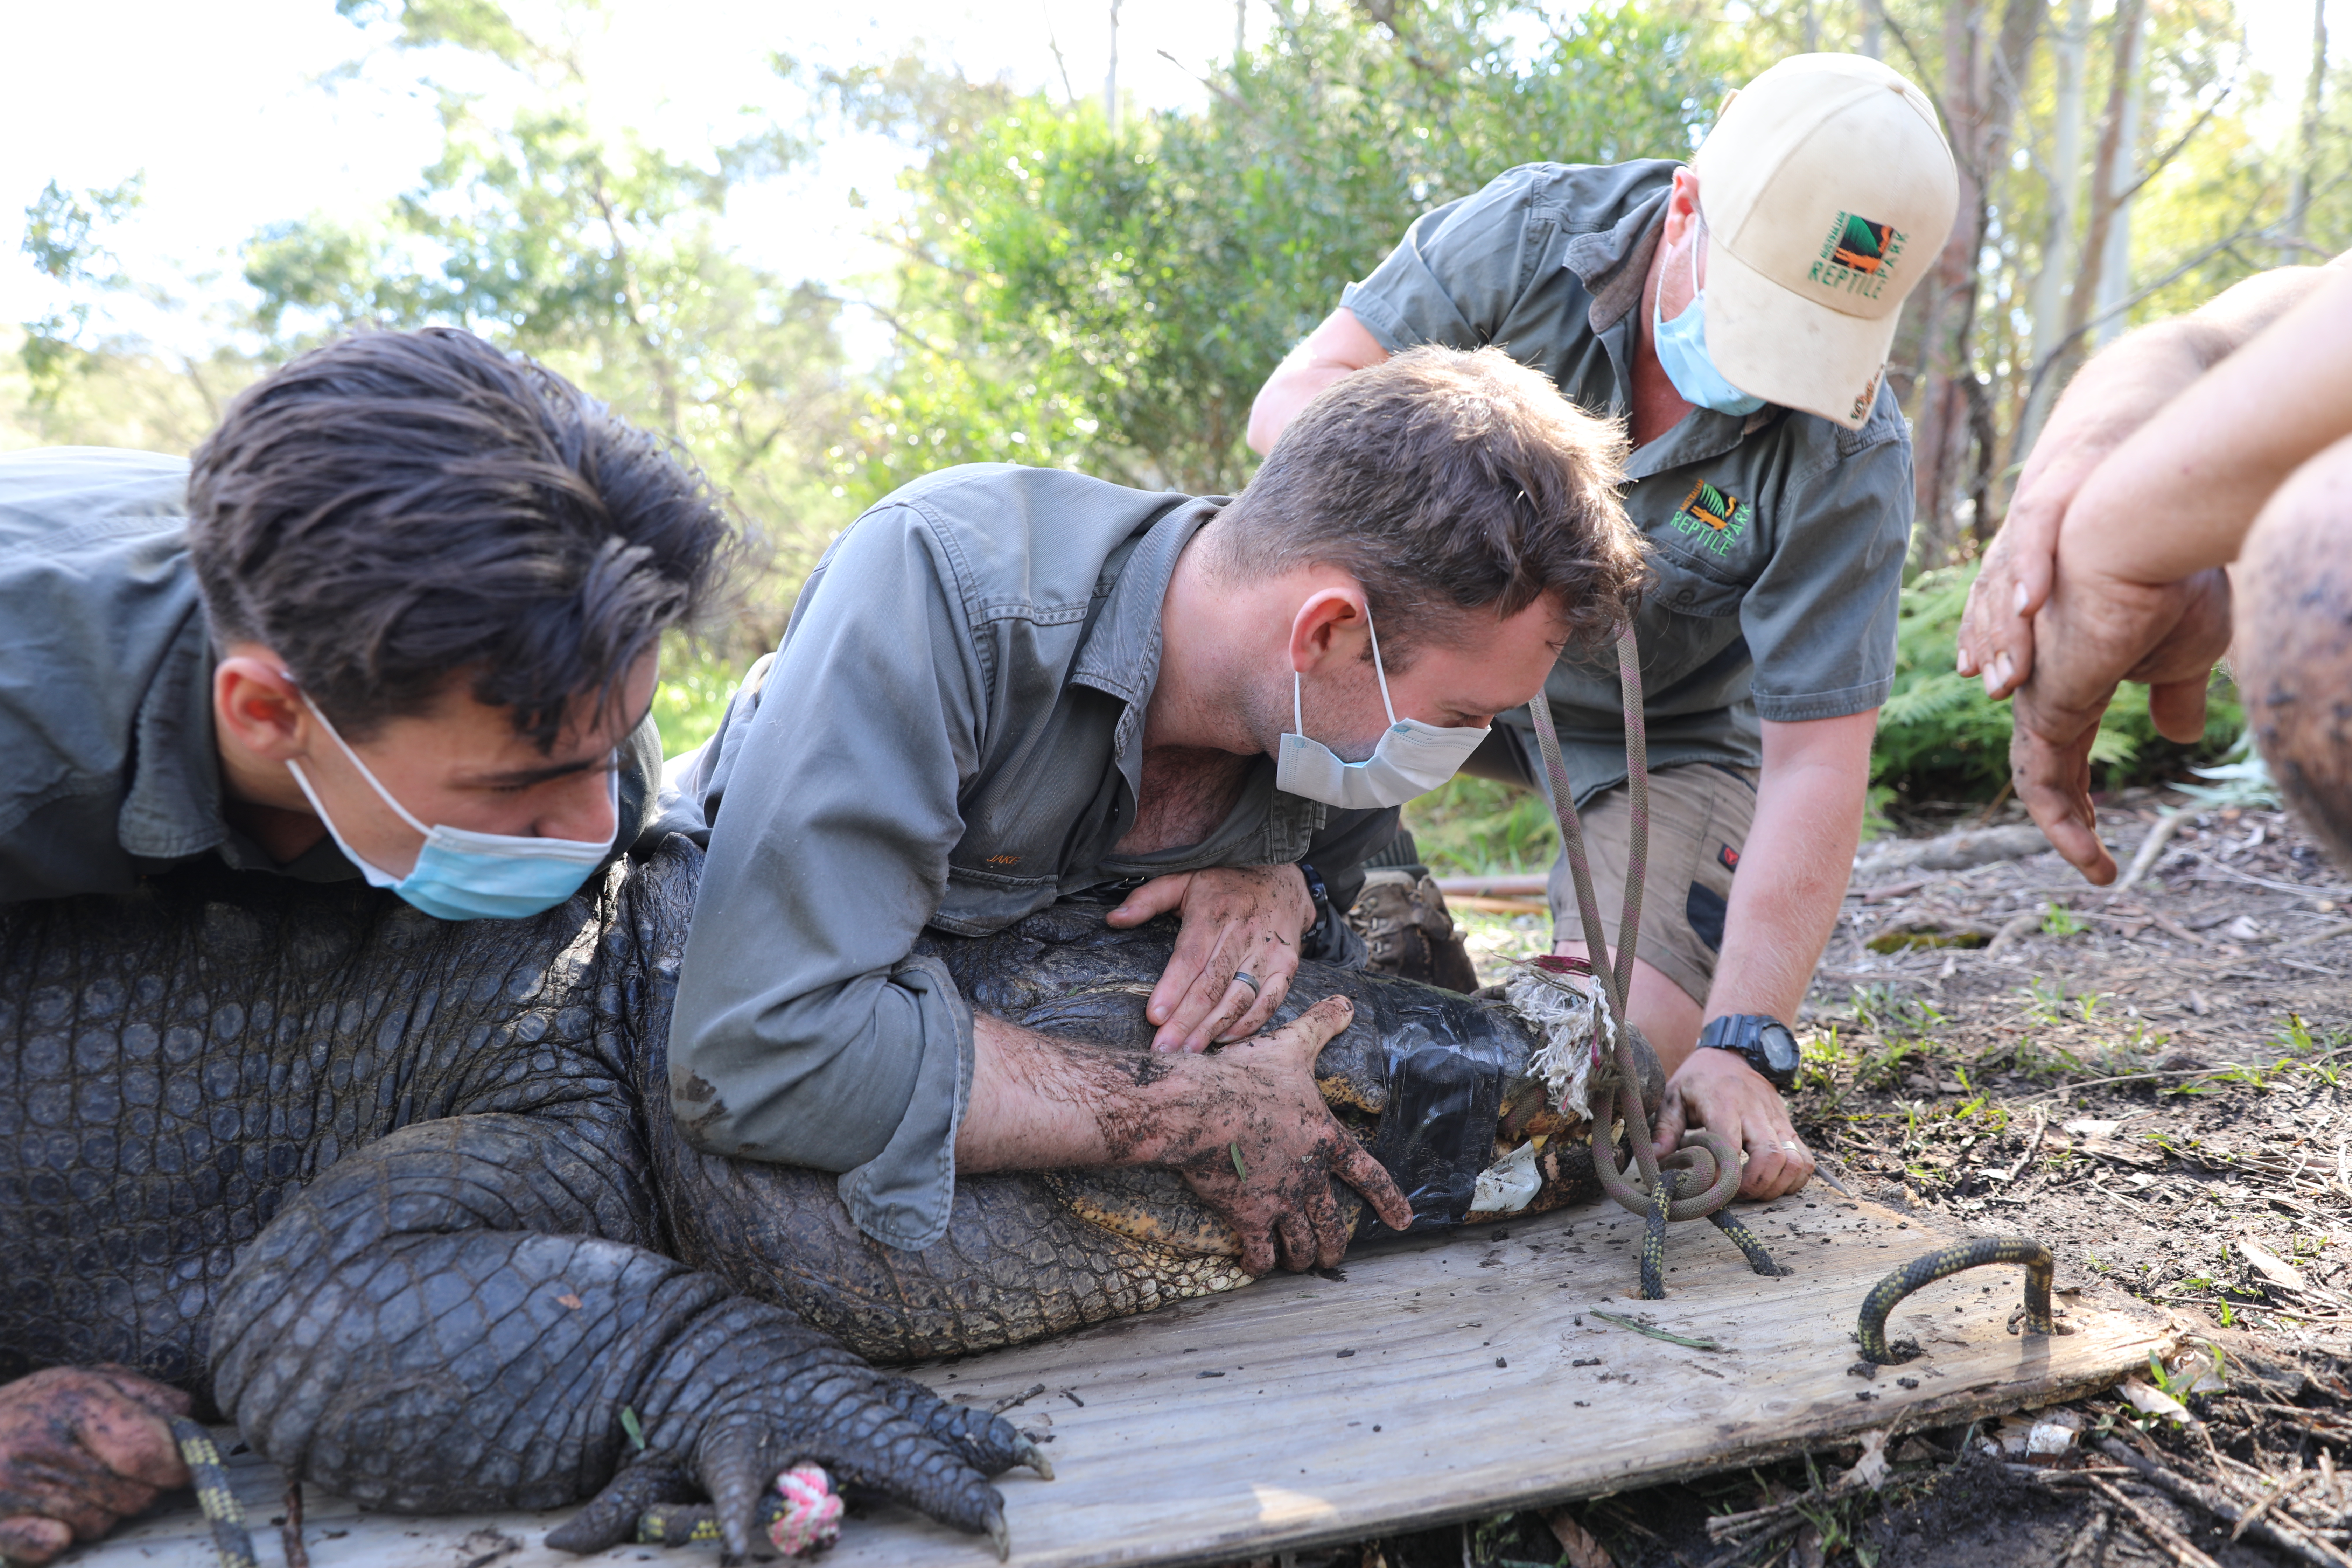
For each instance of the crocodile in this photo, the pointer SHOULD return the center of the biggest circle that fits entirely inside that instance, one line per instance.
(404, 1200)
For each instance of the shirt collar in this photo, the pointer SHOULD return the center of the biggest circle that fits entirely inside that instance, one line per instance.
(1120, 653)
(172, 806)
(1614, 264)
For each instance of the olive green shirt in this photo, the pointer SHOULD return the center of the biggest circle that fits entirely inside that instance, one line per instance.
(1777, 539)
(950, 737)
(109, 768)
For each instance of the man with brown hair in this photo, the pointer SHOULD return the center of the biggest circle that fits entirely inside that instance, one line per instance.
(1007, 686)
(1736, 311)
(399, 622)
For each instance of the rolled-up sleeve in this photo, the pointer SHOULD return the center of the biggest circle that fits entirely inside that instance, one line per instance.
(1457, 273)
(1820, 621)
(805, 1033)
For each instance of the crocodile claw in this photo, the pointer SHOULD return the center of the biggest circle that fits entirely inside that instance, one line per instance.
(999, 1536)
(1029, 1454)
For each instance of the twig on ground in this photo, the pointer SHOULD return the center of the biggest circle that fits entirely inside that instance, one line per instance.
(290, 1534)
(2277, 1496)
(2016, 926)
(1009, 1400)
(2084, 1548)
(2324, 933)
(2150, 846)
(2222, 1508)
(2154, 1529)
(2040, 1128)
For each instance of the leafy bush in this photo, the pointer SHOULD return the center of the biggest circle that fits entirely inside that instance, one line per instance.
(1479, 827)
(1940, 737)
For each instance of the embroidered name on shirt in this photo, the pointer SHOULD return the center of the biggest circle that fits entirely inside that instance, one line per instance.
(1858, 256)
(1003, 860)
(1714, 518)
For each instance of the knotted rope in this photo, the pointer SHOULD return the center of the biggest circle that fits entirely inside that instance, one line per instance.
(1707, 1165)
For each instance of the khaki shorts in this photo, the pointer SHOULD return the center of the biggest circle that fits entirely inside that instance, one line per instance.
(1699, 817)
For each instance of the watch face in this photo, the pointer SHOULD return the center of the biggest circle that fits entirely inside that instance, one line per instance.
(1779, 1046)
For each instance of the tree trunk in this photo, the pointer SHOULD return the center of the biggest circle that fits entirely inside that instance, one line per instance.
(1981, 88)
(2298, 201)
(2058, 240)
(1111, 75)
(2106, 183)
(2110, 316)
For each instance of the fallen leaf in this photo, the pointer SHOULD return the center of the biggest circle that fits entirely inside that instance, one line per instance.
(2150, 1400)
(1870, 1470)
(1583, 1551)
(2271, 1266)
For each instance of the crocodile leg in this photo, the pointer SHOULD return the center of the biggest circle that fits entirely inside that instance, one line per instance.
(455, 1318)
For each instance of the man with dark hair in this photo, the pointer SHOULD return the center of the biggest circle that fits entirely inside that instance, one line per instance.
(1736, 311)
(1006, 686)
(398, 620)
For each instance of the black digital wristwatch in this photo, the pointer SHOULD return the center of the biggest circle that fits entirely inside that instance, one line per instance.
(1761, 1040)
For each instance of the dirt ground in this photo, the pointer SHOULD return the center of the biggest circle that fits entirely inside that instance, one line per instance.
(2153, 1082)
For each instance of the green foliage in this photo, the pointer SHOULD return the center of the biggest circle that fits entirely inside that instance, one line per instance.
(65, 238)
(1940, 737)
(1113, 301)
(598, 255)
(1473, 826)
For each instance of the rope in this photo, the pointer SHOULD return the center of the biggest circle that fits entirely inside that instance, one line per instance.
(231, 1540)
(1948, 1260)
(1707, 1163)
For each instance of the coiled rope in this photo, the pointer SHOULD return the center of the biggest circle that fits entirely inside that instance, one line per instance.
(1707, 1165)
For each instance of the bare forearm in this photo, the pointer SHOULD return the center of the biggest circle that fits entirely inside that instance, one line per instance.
(1289, 389)
(2178, 496)
(1793, 873)
(1340, 344)
(1039, 1102)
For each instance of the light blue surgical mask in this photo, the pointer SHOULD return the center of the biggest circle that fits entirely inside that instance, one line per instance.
(1411, 759)
(1682, 349)
(461, 875)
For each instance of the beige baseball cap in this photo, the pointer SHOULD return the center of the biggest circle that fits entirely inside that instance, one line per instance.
(1828, 190)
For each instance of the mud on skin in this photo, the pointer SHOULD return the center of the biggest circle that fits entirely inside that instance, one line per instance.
(403, 1198)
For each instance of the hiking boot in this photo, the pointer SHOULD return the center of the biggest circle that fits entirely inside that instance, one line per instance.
(1403, 921)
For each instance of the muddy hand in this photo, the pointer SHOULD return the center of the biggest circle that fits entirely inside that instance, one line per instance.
(1235, 955)
(2094, 633)
(1266, 1148)
(81, 1448)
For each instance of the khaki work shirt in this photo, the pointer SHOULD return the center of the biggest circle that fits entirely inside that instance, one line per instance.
(109, 768)
(1777, 539)
(951, 736)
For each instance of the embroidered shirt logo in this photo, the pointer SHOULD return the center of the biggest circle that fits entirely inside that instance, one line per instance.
(1857, 255)
(1714, 517)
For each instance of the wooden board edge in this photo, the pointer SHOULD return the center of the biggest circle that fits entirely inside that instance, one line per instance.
(1942, 1410)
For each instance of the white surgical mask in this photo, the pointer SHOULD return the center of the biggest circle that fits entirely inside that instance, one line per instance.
(1411, 759)
(461, 875)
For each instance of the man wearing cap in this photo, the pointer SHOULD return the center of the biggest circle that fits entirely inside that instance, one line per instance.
(1736, 312)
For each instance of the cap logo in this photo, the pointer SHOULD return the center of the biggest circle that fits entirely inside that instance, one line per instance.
(1714, 516)
(1858, 256)
(1867, 396)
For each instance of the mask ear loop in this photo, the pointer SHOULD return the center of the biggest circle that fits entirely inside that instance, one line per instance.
(373, 783)
(1376, 671)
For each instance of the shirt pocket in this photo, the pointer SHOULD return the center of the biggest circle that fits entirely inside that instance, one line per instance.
(979, 900)
(1686, 589)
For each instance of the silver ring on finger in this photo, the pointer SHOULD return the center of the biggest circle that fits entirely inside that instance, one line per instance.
(1243, 977)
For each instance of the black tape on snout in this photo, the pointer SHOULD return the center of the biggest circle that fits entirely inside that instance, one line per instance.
(1438, 1132)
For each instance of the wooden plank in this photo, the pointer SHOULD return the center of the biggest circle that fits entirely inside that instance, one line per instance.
(1439, 1378)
